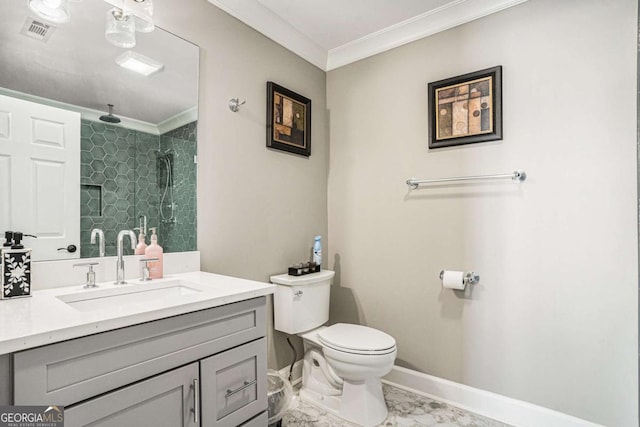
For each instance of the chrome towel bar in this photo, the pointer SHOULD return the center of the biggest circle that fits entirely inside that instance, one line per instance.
(516, 176)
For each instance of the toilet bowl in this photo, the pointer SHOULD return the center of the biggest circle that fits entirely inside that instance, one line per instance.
(343, 363)
(343, 376)
(358, 352)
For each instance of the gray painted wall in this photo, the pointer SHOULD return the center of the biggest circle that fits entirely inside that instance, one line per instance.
(554, 319)
(258, 209)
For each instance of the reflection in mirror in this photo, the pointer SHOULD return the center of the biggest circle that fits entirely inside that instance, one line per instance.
(140, 171)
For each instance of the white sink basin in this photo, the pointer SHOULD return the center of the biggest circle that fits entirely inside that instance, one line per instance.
(128, 295)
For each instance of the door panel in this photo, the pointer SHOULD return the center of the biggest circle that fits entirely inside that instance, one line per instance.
(40, 175)
(5, 193)
(48, 204)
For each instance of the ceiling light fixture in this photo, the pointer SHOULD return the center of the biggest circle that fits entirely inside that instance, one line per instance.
(52, 10)
(120, 29)
(139, 63)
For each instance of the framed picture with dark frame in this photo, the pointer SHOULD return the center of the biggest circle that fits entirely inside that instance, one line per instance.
(466, 109)
(288, 120)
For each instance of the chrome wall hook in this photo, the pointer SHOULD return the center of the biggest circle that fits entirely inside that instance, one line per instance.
(235, 103)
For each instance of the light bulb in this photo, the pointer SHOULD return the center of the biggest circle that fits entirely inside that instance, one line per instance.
(51, 10)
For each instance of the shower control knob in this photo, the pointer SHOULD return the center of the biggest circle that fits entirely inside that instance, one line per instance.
(71, 249)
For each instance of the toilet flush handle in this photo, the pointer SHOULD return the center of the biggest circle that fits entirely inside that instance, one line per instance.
(298, 294)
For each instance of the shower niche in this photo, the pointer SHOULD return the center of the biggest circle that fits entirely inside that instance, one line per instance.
(128, 173)
(91, 195)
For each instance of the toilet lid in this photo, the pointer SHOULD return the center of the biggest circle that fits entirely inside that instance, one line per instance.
(356, 338)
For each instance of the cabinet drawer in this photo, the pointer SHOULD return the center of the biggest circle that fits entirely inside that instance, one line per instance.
(166, 400)
(76, 370)
(234, 385)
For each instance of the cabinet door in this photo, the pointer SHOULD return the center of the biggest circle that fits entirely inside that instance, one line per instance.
(234, 385)
(167, 400)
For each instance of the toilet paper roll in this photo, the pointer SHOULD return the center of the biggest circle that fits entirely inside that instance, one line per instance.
(453, 279)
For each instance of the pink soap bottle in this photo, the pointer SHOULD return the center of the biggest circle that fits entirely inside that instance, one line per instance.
(142, 230)
(154, 250)
(141, 248)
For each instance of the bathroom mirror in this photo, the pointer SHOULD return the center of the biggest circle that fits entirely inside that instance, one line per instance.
(145, 165)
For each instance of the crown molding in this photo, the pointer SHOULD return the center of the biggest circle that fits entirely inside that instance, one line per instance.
(263, 20)
(180, 119)
(85, 113)
(452, 14)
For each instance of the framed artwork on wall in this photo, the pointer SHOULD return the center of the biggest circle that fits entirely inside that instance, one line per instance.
(288, 120)
(466, 109)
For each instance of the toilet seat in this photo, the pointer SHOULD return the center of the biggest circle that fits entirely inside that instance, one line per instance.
(357, 339)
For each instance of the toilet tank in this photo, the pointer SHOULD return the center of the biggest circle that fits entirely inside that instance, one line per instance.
(301, 303)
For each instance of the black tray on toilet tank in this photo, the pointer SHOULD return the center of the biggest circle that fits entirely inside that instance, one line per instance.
(302, 269)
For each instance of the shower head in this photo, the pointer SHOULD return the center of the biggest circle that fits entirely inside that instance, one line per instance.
(110, 118)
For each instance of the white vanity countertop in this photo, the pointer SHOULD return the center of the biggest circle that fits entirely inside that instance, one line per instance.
(45, 318)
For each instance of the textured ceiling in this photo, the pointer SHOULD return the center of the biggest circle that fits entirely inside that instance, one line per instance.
(333, 23)
(77, 65)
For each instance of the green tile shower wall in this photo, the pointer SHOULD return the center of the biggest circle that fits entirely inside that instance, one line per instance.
(180, 235)
(119, 182)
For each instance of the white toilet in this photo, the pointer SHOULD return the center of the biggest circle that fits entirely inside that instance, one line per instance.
(343, 363)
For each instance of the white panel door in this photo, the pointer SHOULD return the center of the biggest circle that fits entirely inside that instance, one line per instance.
(40, 176)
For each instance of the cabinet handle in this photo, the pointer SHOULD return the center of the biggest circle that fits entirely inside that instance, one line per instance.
(239, 389)
(196, 401)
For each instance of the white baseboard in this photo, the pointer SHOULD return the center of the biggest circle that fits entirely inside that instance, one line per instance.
(495, 406)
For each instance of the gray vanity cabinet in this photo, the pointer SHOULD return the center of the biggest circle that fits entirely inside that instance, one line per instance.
(166, 400)
(202, 369)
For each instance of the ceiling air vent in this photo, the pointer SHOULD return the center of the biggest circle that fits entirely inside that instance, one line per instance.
(37, 30)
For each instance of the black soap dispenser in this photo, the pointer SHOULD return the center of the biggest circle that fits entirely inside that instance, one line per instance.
(8, 239)
(15, 266)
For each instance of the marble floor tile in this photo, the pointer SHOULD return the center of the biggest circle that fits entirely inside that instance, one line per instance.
(406, 409)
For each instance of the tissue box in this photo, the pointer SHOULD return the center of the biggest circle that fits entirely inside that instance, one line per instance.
(16, 273)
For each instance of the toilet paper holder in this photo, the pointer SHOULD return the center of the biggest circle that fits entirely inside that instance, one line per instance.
(470, 278)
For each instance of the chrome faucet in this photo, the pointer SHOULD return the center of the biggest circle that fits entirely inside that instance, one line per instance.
(120, 262)
(99, 233)
(145, 269)
(91, 275)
